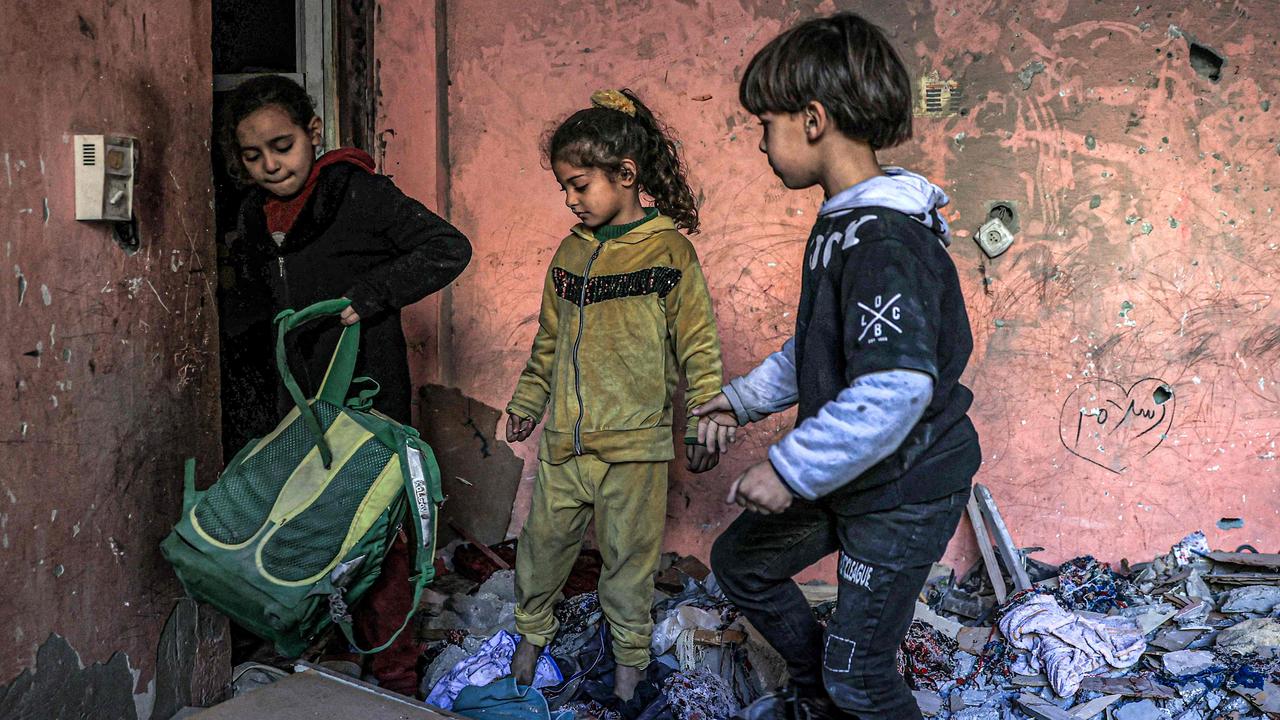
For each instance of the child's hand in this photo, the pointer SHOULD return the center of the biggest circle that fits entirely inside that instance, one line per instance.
(717, 424)
(518, 428)
(700, 459)
(759, 489)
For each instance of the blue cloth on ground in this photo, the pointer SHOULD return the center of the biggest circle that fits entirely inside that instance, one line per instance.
(504, 700)
(491, 661)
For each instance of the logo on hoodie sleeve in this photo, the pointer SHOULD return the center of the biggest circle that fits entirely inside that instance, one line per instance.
(879, 318)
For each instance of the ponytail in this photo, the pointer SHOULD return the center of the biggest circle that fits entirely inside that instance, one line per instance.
(662, 170)
(619, 126)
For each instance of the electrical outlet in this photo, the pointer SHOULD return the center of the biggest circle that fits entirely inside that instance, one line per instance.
(994, 238)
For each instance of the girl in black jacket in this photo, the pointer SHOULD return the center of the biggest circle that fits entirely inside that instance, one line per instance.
(315, 229)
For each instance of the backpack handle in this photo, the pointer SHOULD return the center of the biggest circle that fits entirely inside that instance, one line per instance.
(337, 379)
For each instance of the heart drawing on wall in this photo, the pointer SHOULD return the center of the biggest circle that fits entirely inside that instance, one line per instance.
(1112, 427)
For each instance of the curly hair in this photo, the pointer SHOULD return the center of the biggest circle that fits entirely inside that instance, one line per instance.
(602, 138)
(249, 97)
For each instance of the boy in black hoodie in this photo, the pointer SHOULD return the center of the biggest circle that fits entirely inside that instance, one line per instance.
(879, 464)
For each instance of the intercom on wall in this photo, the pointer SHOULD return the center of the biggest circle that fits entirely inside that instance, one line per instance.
(104, 177)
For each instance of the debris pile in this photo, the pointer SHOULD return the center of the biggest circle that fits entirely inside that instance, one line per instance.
(1192, 635)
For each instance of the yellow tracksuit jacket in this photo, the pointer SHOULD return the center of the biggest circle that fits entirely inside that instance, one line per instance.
(609, 351)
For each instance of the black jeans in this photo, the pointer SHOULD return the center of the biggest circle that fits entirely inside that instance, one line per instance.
(885, 557)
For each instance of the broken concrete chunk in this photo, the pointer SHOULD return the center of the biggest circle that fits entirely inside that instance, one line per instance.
(1041, 709)
(1175, 639)
(928, 702)
(959, 602)
(1265, 698)
(1194, 614)
(986, 712)
(973, 639)
(1196, 587)
(1187, 662)
(502, 584)
(1248, 637)
(946, 626)
(1155, 617)
(1131, 686)
(1251, 599)
(1141, 710)
(1088, 710)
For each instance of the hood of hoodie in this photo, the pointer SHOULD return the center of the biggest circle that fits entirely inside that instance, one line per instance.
(898, 189)
(282, 214)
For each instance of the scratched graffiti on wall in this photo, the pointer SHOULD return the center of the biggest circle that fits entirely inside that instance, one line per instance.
(1114, 427)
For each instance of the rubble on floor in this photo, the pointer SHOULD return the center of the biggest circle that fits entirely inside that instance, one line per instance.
(1191, 635)
(1177, 637)
(709, 661)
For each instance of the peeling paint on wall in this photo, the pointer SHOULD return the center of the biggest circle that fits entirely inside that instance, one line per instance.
(60, 687)
(93, 379)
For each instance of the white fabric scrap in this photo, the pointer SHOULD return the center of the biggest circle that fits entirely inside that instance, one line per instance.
(1067, 646)
(677, 621)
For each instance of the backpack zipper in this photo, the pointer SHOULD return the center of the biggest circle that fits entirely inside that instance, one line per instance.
(577, 371)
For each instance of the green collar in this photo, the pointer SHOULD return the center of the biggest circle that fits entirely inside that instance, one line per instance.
(612, 232)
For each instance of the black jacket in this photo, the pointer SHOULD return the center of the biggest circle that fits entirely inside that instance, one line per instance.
(358, 236)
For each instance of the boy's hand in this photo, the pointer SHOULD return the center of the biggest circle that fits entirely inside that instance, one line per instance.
(759, 489)
(717, 424)
(518, 428)
(700, 459)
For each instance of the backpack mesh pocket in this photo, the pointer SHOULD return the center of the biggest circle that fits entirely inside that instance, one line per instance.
(236, 507)
(310, 541)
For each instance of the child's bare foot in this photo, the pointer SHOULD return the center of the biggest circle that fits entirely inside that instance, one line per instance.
(524, 662)
(625, 679)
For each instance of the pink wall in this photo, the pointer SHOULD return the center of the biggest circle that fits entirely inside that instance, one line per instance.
(406, 125)
(1143, 252)
(110, 370)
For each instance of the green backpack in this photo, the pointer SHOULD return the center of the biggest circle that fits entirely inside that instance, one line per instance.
(295, 529)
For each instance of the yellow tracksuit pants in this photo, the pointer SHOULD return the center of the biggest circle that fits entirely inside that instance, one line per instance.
(629, 504)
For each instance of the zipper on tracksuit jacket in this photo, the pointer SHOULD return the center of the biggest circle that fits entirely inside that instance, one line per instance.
(577, 371)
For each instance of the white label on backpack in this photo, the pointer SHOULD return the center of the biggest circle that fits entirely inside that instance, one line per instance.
(421, 494)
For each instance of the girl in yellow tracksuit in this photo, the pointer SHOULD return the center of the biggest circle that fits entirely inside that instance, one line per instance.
(625, 309)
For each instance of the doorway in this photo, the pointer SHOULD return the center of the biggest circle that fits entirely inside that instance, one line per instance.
(295, 39)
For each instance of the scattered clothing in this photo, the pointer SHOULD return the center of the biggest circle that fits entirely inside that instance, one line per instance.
(1067, 646)
(1086, 584)
(491, 662)
(503, 699)
(699, 696)
(927, 657)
